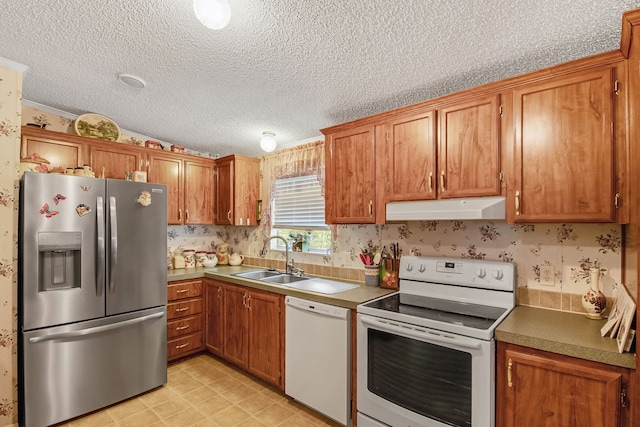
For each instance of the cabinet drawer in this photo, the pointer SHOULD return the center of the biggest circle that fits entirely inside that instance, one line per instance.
(185, 326)
(183, 346)
(184, 308)
(183, 290)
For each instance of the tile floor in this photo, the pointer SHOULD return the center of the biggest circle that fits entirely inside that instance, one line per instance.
(203, 391)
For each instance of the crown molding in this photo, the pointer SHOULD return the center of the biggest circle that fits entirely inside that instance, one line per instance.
(7, 63)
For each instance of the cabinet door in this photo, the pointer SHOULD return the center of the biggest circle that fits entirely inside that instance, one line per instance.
(350, 187)
(235, 347)
(564, 150)
(116, 160)
(264, 336)
(412, 157)
(246, 187)
(198, 189)
(214, 321)
(469, 148)
(168, 170)
(60, 154)
(556, 391)
(224, 192)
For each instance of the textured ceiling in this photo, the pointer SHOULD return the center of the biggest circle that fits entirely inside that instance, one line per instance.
(287, 66)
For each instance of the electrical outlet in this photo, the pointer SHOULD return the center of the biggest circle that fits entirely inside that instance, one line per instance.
(547, 275)
(347, 258)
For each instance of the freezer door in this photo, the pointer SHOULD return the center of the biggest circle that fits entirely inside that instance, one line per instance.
(60, 269)
(136, 245)
(70, 370)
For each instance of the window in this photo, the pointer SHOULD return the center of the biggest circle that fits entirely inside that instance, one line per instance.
(298, 209)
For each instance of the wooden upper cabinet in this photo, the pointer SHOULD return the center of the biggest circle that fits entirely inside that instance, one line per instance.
(350, 176)
(410, 146)
(224, 192)
(168, 169)
(541, 388)
(469, 148)
(189, 183)
(116, 159)
(563, 167)
(198, 189)
(237, 184)
(61, 150)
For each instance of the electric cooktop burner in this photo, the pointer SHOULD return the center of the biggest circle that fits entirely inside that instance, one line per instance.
(464, 314)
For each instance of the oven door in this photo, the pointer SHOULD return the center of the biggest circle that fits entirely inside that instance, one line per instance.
(412, 376)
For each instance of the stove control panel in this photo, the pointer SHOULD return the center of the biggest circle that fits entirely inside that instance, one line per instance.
(449, 267)
(485, 274)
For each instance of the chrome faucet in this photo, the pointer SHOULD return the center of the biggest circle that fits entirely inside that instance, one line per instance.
(286, 249)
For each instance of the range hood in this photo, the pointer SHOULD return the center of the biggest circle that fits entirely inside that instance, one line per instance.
(451, 209)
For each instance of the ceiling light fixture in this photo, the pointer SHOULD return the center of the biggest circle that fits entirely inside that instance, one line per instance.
(213, 14)
(268, 141)
(131, 80)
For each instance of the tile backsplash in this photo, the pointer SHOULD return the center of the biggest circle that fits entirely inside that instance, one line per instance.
(569, 249)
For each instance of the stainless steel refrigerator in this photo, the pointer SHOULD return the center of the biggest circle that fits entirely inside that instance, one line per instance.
(92, 294)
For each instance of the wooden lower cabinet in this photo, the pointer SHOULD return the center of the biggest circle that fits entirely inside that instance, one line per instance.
(265, 336)
(214, 316)
(253, 337)
(184, 318)
(545, 389)
(236, 319)
(245, 326)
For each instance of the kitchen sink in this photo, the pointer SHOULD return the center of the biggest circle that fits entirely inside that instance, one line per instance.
(284, 279)
(258, 274)
(312, 284)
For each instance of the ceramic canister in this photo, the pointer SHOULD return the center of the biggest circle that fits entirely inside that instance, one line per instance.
(201, 257)
(189, 258)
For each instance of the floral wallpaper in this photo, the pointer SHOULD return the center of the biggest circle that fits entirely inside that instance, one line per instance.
(570, 249)
(10, 102)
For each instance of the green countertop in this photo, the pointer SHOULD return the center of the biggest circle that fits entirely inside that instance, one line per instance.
(564, 333)
(347, 299)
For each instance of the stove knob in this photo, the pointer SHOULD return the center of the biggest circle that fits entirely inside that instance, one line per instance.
(497, 274)
(422, 268)
(409, 266)
(481, 272)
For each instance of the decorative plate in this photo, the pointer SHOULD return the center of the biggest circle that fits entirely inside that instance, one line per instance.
(96, 126)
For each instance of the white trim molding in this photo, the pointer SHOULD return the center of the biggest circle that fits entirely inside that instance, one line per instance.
(7, 63)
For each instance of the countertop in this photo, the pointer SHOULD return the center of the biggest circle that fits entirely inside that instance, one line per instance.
(564, 333)
(347, 299)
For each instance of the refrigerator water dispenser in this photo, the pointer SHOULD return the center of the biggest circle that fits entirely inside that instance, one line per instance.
(59, 260)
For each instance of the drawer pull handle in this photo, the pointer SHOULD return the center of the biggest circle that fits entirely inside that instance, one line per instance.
(181, 328)
(182, 346)
(182, 309)
(182, 291)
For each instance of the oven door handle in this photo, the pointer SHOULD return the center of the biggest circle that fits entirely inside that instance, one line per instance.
(421, 335)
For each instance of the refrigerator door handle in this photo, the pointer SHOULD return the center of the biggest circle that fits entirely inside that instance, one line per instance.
(113, 226)
(101, 246)
(96, 329)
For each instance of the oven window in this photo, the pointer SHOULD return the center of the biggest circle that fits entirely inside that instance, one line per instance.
(428, 379)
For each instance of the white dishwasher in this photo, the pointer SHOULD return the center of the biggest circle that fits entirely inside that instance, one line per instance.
(318, 357)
